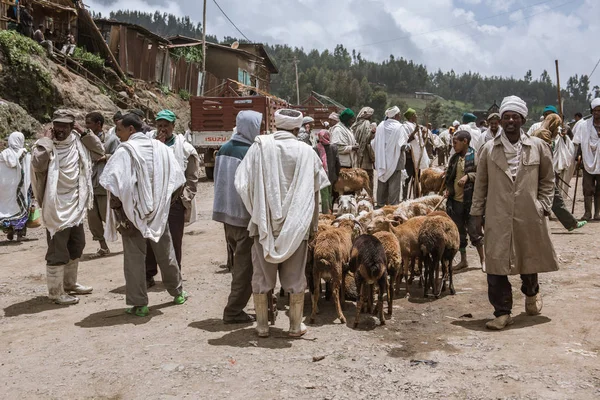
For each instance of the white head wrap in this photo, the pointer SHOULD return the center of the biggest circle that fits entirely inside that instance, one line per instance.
(456, 124)
(288, 122)
(365, 112)
(596, 103)
(308, 120)
(334, 116)
(16, 148)
(515, 104)
(392, 112)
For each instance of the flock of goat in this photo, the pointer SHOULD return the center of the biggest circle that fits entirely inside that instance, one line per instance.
(377, 249)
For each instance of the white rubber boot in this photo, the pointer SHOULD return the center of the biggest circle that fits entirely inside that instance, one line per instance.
(261, 306)
(297, 328)
(70, 280)
(54, 278)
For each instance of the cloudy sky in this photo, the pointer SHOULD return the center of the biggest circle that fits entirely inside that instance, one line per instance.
(492, 37)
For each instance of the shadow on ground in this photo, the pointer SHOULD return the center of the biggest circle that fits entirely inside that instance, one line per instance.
(159, 287)
(32, 306)
(217, 325)
(521, 321)
(120, 317)
(93, 257)
(244, 338)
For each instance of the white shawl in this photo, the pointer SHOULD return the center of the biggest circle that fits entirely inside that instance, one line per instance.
(477, 137)
(345, 140)
(11, 173)
(389, 139)
(69, 191)
(182, 151)
(418, 147)
(277, 181)
(143, 174)
(587, 137)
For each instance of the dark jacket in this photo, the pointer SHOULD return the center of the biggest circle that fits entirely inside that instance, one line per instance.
(470, 170)
(333, 162)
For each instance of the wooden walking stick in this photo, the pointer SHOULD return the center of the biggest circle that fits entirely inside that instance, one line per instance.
(576, 182)
(560, 106)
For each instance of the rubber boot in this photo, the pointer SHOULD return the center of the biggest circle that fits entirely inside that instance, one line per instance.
(587, 202)
(481, 252)
(261, 305)
(597, 207)
(70, 280)
(55, 277)
(297, 328)
(463, 261)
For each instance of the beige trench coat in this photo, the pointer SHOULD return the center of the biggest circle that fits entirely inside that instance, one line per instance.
(517, 237)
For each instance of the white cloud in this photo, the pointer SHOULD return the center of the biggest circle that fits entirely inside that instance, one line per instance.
(491, 37)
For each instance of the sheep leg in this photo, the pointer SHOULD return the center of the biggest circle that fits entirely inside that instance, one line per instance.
(435, 276)
(315, 296)
(370, 300)
(343, 292)
(452, 291)
(390, 291)
(407, 264)
(360, 288)
(336, 299)
(444, 274)
(384, 287)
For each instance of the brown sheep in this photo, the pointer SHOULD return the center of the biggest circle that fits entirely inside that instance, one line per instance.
(432, 180)
(353, 180)
(439, 242)
(368, 262)
(408, 238)
(394, 259)
(331, 253)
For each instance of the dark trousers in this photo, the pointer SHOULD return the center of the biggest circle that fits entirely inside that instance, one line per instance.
(238, 238)
(562, 213)
(65, 245)
(460, 215)
(500, 291)
(591, 184)
(176, 225)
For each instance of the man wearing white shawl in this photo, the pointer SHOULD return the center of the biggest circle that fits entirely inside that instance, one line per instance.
(388, 145)
(587, 136)
(142, 178)
(183, 209)
(493, 129)
(514, 189)
(342, 136)
(62, 185)
(279, 180)
(15, 181)
(364, 135)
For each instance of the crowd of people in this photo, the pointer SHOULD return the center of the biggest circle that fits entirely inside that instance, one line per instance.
(500, 184)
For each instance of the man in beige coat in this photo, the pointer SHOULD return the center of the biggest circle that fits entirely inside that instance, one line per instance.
(514, 190)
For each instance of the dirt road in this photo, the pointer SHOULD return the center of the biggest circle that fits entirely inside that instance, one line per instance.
(428, 350)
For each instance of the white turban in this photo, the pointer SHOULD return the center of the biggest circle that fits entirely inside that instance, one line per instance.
(392, 112)
(365, 112)
(334, 116)
(288, 122)
(515, 104)
(596, 103)
(308, 120)
(456, 124)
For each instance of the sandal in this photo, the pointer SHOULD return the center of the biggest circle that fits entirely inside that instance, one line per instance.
(140, 311)
(100, 253)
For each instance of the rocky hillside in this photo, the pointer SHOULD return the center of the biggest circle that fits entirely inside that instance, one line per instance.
(33, 86)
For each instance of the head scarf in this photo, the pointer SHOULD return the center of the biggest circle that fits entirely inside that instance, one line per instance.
(392, 112)
(365, 112)
(288, 122)
(552, 122)
(308, 120)
(334, 117)
(595, 103)
(247, 126)
(373, 125)
(515, 104)
(551, 109)
(323, 140)
(456, 124)
(166, 115)
(493, 116)
(16, 148)
(468, 118)
(346, 116)
(409, 113)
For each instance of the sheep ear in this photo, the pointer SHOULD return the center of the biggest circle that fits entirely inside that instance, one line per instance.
(395, 223)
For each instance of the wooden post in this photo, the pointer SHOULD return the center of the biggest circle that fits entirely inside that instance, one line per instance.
(203, 50)
(560, 106)
(297, 86)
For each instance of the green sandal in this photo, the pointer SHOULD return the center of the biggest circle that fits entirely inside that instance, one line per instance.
(180, 298)
(140, 311)
(580, 224)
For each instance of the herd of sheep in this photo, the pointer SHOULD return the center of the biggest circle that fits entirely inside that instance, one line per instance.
(377, 249)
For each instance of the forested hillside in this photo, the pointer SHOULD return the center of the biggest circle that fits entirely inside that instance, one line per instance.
(347, 77)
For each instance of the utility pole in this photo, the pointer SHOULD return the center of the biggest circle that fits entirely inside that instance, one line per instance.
(203, 50)
(297, 86)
